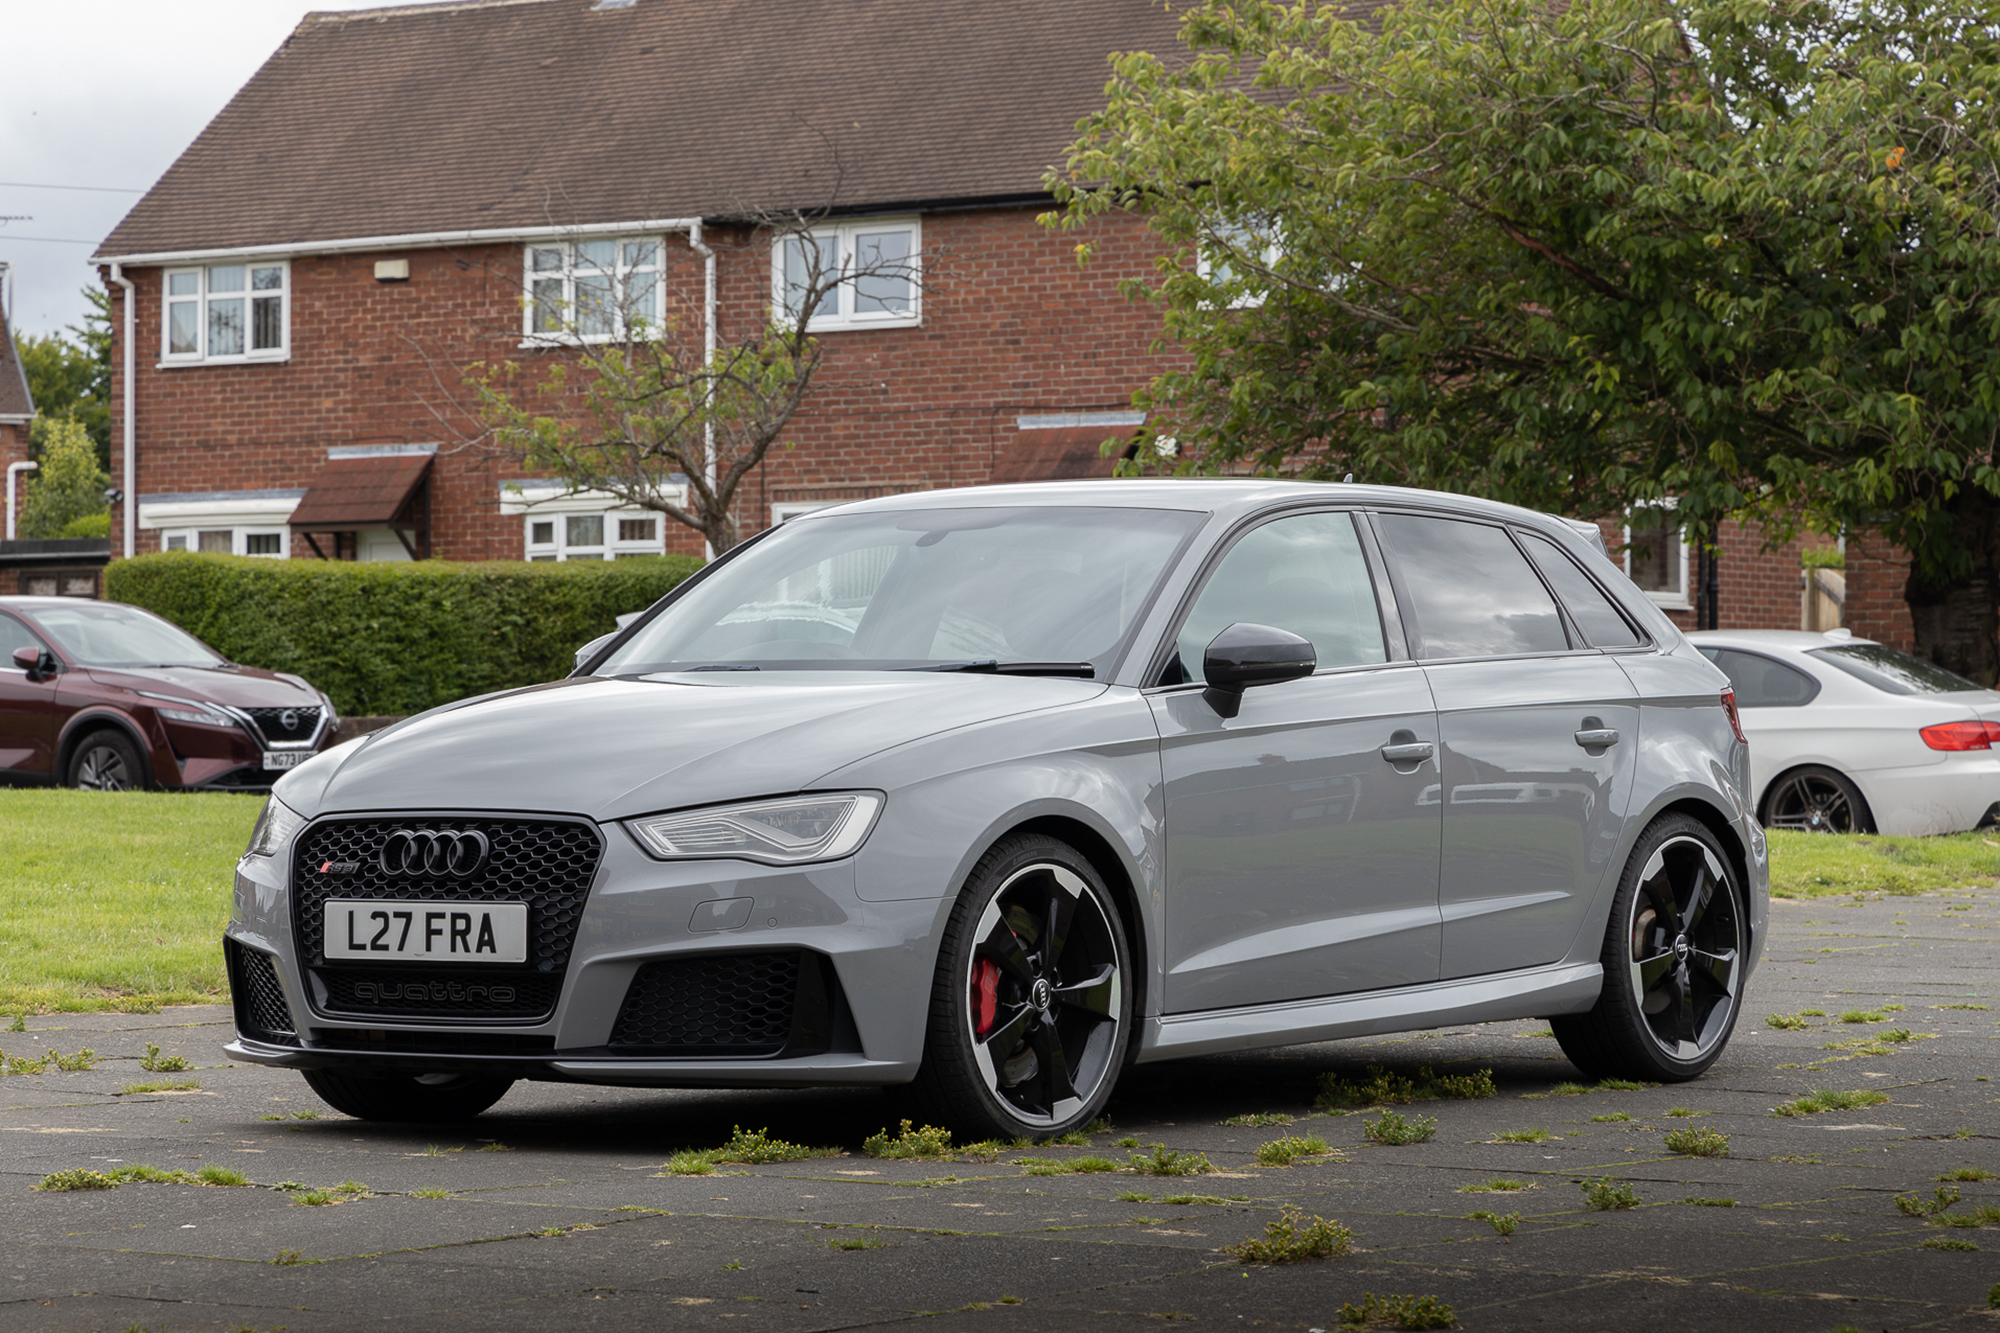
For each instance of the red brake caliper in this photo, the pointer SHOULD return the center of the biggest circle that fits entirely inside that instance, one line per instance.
(985, 995)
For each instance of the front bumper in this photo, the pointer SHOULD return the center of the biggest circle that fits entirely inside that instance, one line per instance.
(636, 912)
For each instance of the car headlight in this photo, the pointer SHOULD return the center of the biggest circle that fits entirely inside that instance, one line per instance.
(188, 710)
(787, 832)
(275, 827)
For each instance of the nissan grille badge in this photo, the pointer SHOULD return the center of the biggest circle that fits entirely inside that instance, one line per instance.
(434, 854)
(289, 719)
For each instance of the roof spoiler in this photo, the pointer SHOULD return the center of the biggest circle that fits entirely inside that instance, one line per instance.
(1590, 532)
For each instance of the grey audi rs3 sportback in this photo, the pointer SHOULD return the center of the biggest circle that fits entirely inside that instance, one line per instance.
(993, 792)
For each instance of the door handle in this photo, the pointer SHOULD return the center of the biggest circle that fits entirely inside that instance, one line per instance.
(1411, 753)
(1596, 738)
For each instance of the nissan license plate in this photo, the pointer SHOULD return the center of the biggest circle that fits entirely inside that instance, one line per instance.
(278, 759)
(434, 932)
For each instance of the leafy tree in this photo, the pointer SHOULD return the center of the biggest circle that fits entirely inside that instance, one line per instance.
(71, 376)
(652, 419)
(66, 493)
(1577, 256)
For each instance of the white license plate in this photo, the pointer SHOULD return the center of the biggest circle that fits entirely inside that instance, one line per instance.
(278, 759)
(435, 932)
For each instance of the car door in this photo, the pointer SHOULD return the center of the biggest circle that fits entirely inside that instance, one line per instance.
(27, 708)
(1301, 860)
(1539, 729)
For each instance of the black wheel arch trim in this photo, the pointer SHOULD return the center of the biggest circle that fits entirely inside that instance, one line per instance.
(102, 717)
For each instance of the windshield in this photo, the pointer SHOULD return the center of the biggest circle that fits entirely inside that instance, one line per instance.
(1891, 671)
(94, 634)
(921, 588)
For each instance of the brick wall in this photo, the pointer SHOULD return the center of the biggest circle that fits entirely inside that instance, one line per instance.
(1757, 588)
(1876, 573)
(1011, 325)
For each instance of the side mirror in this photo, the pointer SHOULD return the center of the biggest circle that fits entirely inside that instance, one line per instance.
(589, 650)
(39, 663)
(1246, 655)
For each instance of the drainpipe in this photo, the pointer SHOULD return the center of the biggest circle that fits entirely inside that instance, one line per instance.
(14, 470)
(131, 468)
(707, 360)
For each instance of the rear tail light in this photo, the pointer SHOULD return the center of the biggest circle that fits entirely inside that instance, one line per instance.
(1961, 735)
(1735, 718)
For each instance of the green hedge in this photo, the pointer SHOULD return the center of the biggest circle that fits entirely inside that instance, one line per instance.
(395, 638)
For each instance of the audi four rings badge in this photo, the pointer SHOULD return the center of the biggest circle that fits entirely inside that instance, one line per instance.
(460, 855)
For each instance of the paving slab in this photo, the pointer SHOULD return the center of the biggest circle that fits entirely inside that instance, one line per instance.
(555, 1209)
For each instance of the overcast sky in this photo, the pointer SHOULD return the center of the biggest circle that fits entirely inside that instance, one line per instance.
(106, 94)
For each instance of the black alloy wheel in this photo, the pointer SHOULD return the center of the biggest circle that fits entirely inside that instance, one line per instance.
(1674, 957)
(1816, 800)
(1028, 1022)
(106, 761)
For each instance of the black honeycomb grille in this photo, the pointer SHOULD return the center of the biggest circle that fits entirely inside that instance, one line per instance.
(546, 863)
(261, 1011)
(725, 1004)
(271, 721)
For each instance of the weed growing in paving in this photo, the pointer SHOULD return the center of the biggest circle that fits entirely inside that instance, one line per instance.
(160, 1085)
(693, 1162)
(155, 1063)
(1709, 1203)
(1291, 1148)
(1497, 1185)
(1935, 1006)
(495, 1146)
(286, 1258)
(313, 1198)
(1698, 1142)
(1166, 1162)
(1086, 1166)
(1041, 1166)
(757, 1148)
(1862, 1016)
(221, 1175)
(430, 1192)
(82, 1178)
(20, 1023)
(1394, 1131)
(1129, 1141)
(1409, 1312)
(1946, 1243)
(858, 1244)
(1387, 1085)
(1184, 1199)
(1622, 1085)
(1604, 1196)
(1616, 1117)
(928, 1142)
(1682, 1112)
(1986, 1215)
(1292, 1238)
(76, 1178)
(1258, 1120)
(1503, 1223)
(1973, 1173)
(72, 1064)
(1133, 1196)
(1076, 1138)
(1786, 1022)
(1568, 1090)
(1826, 1099)
(1943, 1197)
(1993, 1296)
(1524, 1136)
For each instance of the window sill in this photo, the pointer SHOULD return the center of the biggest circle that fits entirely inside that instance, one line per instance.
(1669, 601)
(820, 326)
(556, 342)
(268, 359)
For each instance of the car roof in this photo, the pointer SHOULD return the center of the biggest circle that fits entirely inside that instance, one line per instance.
(1227, 496)
(1796, 640)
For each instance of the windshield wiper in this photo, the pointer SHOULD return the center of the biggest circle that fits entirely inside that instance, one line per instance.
(990, 666)
(721, 666)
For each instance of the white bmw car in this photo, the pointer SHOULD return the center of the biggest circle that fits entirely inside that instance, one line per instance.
(1852, 736)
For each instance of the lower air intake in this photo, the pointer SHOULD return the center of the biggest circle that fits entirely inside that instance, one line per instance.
(724, 1005)
(261, 1011)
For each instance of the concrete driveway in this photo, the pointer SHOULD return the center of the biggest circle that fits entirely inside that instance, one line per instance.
(555, 1212)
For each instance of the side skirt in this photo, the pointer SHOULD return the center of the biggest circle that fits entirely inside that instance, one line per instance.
(1536, 992)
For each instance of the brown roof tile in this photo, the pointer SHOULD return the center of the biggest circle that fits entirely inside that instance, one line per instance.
(351, 492)
(520, 113)
(1065, 453)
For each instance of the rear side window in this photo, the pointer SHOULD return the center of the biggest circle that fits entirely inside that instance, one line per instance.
(1588, 604)
(1890, 671)
(1471, 590)
(1304, 574)
(1761, 682)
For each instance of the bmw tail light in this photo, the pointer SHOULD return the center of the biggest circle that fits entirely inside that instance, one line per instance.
(1735, 718)
(1961, 735)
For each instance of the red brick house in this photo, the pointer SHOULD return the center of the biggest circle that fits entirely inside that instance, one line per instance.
(398, 193)
(401, 192)
(17, 405)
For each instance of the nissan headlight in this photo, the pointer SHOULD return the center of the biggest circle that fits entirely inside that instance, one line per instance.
(787, 832)
(274, 828)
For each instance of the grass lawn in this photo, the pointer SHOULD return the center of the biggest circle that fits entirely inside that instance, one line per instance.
(118, 901)
(115, 900)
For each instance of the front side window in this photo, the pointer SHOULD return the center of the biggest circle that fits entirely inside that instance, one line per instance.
(226, 312)
(594, 290)
(13, 634)
(1472, 592)
(1304, 574)
(608, 535)
(868, 274)
(941, 589)
(1890, 671)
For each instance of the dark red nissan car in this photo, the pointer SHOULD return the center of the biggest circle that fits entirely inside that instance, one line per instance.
(107, 696)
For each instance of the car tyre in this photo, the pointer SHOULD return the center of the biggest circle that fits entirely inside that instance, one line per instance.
(107, 760)
(1675, 951)
(1814, 799)
(416, 1099)
(1030, 1009)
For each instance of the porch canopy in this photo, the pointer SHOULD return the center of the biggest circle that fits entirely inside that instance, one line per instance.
(354, 495)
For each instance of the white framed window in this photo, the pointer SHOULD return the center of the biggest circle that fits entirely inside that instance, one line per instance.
(275, 543)
(1215, 259)
(877, 269)
(226, 313)
(592, 290)
(1656, 554)
(789, 509)
(602, 534)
